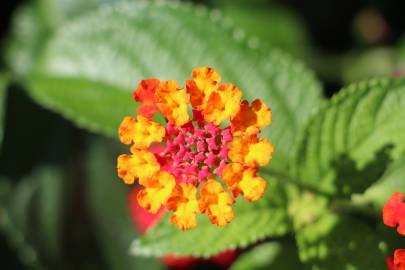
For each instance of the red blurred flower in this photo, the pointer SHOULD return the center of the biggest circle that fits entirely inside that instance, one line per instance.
(394, 212)
(398, 263)
(394, 215)
(143, 220)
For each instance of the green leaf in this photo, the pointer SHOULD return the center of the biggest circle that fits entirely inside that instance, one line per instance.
(369, 64)
(34, 23)
(108, 199)
(349, 143)
(252, 222)
(268, 23)
(49, 208)
(401, 57)
(341, 243)
(3, 97)
(95, 99)
(272, 255)
(379, 193)
(31, 217)
(28, 34)
(115, 47)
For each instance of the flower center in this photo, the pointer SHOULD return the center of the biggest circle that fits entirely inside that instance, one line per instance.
(196, 153)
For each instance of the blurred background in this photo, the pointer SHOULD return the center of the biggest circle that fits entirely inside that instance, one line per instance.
(59, 215)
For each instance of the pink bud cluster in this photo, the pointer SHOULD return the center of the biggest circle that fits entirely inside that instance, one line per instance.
(196, 153)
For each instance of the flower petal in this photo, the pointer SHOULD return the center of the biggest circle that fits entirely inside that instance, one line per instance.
(238, 149)
(172, 102)
(184, 203)
(205, 81)
(222, 104)
(141, 164)
(243, 180)
(249, 119)
(250, 151)
(145, 93)
(252, 187)
(260, 152)
(141, 132)
(216, 202)
(156, 192)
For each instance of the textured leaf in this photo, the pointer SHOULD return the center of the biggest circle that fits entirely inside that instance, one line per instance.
(350, 142)
(252, 222)
(95, 101)
(341, 243)
(3, 97)
(392, 181)
(273, 255)
(119, 46)
(34, 23)
(109, 205)
(267, 23)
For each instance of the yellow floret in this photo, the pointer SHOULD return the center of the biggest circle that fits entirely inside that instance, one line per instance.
(222, 104)
(184, 203)
(140, 132)
(172, 102)
(156, 192)
(141, 164)
(216, 202)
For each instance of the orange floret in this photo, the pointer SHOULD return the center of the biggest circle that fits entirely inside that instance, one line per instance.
(243, 180)
(222, 104)
(250, 119)
(216, 202)
(141, 164)
(251, 151)
(145, 93)
(172, 102)
(156, 192)
(184, 203)
(141, 132)
(205, 81)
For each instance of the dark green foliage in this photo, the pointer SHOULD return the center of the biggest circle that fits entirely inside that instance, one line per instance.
(335, 164)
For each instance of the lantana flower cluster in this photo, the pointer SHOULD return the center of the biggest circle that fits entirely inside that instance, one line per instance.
(204, 157)
(394, 216)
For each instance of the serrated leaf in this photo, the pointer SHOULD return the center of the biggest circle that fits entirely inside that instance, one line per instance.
(3, 96)
(272, 255)
(341, 243)
(351, 140)
(109, 206)
(379, 193)
(120, 45)
(252, 222)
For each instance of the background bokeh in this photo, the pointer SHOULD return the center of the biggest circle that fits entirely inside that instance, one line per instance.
(62, 215)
